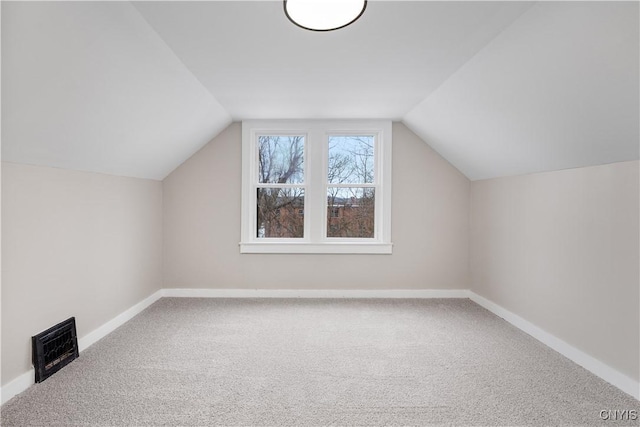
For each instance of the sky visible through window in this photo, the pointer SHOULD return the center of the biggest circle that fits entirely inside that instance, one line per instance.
(351, 210)
(351, 159)
(281, 159)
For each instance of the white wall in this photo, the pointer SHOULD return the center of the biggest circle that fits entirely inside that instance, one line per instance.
(429, 228)
(560, 249)
(73, 244)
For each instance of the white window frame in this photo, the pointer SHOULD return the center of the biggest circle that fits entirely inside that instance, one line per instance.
(315, 186)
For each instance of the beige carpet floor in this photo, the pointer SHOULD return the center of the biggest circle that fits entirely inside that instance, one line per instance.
(276, 362)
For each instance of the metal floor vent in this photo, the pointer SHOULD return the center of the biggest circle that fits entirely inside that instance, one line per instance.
(54, 348)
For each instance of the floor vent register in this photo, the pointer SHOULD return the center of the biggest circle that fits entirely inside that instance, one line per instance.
(54, 348)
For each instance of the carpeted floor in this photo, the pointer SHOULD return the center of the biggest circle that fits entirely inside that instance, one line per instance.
(205, 362)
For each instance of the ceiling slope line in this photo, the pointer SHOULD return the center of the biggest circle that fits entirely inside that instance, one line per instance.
(553, 90)
(228, 120)
(133, 3)
(125, 105)
(465, 63)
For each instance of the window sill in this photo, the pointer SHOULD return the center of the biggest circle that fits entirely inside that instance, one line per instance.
(316, 248)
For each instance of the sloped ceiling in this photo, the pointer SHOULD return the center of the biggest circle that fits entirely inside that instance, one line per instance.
(259, 65)
(557, 89)
(90, 86)
(498, 88)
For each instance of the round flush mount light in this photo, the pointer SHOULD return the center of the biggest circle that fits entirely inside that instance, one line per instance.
(324, 15)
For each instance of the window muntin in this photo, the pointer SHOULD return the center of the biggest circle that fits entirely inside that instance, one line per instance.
(316, 186)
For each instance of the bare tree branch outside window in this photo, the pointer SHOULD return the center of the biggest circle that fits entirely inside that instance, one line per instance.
(280, 161)
(351, 209)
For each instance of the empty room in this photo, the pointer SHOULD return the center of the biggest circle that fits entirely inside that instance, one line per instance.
(320, 212)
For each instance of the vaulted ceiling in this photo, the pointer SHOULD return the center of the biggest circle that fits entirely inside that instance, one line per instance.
(497, 88)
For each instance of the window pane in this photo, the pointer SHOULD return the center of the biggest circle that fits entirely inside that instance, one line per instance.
(350, 212)
(280, 212)
(351, 159)
(281, 159)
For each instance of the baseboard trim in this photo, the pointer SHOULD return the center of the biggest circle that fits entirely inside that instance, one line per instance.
(99, 333)
(17, 386)
(315, 293)
(27, 379)
(602, 370)
(595, 366)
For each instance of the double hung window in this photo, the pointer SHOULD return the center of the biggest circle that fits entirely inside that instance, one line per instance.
(316, 186)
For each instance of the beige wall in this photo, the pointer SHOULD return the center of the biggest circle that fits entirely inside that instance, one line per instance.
(429, 228)
(73, 244)
(560, 249)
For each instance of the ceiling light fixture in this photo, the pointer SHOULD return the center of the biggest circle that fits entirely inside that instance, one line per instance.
(324, 15)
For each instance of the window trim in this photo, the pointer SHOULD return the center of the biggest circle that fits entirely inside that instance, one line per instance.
(315, 186)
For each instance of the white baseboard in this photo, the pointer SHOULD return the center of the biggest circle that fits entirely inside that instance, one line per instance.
(315, 293)
(17, 386)
(602, 370)
(99, 333)
(27, 379)
(607, 373)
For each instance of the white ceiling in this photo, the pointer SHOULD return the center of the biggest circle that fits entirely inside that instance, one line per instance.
(259, 65)
(498, 88)
(90, 86)
(556, 90)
